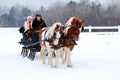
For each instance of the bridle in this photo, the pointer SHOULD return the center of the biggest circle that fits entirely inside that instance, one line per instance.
(74, 27)
(57, 31)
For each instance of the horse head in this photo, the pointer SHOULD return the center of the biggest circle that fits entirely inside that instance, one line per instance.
(74, 27)
(55, 32)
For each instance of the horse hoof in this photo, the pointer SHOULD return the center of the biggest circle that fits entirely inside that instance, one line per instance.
(63, 62)
(69, 66)
(43, 62)
(55, 66)
(51, 66)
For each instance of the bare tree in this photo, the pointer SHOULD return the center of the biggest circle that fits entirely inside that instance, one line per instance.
(92, 12)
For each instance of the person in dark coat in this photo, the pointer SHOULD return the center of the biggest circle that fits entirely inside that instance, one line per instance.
(38, 22)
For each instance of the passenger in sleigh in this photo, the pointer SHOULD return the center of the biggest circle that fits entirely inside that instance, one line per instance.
(28, 23)
(24, 30)
(38, 23)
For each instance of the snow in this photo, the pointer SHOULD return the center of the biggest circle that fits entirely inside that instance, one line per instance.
(96, 57)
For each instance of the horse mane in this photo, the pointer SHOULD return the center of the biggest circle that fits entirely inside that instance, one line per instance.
(50, 31)
(69, 21)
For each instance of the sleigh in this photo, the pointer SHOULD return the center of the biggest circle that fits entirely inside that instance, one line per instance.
(30, 43)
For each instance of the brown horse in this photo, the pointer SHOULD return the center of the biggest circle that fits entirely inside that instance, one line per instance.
(71, 35)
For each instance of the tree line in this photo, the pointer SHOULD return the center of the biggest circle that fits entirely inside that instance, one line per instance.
(93, 13)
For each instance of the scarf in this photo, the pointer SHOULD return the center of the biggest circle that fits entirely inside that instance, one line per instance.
(30, 25)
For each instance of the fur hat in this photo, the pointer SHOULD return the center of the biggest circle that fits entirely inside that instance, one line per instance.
(38, 15)
(29, 17)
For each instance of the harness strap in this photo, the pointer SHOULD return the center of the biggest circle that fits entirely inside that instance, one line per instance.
(32, 44)
(62, 42)
(38, 42)
(56, 47)
(45, 34)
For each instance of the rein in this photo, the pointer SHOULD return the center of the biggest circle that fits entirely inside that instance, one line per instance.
(56, 47)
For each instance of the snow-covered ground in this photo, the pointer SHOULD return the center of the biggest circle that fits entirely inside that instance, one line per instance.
(96, 57)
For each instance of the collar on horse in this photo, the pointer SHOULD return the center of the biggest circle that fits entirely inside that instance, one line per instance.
(69, 38)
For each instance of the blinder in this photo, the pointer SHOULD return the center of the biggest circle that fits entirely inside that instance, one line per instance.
(59, 30)
(82, 28)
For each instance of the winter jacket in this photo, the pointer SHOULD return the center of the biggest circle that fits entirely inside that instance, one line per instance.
(38, 24)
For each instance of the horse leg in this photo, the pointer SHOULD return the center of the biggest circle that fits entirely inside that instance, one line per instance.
(69, 62)
(50, 62)
(57, 58)
(62, 55)
(42, 54)
(68, 56)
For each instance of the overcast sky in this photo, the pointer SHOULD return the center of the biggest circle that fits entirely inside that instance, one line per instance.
(38, 3)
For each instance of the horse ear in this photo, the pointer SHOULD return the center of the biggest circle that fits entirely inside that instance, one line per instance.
(82, 21)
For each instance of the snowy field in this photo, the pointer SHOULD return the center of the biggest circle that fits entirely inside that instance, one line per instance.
(96, 57)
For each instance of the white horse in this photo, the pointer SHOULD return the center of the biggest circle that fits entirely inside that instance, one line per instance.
(50, 38)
